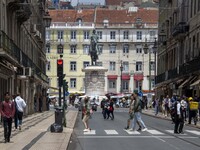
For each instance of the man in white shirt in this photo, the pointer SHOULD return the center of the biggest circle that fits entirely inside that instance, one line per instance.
(179, 120)
(20, 108)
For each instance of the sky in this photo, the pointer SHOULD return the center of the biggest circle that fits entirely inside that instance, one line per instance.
(74, 2)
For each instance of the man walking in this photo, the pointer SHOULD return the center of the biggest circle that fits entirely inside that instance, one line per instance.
(137, 116)
(7, 109)
(20, 108)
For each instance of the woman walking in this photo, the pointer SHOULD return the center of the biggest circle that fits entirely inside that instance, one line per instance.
(86, 113)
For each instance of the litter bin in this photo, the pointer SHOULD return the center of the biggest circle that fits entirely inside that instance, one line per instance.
(58, 125)
(59, 116)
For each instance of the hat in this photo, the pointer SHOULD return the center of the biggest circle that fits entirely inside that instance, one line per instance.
(190, 99)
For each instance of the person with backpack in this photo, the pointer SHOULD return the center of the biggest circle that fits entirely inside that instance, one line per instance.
(7, 110)
(137, 116)
(111, 110)
(20, 108)
(179, 119)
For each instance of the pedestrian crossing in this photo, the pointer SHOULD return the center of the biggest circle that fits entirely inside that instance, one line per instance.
(149, 131)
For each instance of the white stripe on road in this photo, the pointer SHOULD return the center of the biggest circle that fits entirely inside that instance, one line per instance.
(132, 132)
(92, 132)
(172, 132)
(193, 132)
(111, 132)
(155, 132)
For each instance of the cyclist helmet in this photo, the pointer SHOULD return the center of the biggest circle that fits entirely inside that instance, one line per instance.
(190, 99)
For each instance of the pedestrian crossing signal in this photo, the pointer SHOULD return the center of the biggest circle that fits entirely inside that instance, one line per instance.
(59, 67)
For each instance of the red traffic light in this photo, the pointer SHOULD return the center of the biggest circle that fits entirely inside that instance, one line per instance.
(59, 61)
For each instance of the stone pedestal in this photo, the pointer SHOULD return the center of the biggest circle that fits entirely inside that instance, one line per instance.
(94, 80)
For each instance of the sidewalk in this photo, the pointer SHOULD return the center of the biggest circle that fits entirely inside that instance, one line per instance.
(36, 134)
(151, 112)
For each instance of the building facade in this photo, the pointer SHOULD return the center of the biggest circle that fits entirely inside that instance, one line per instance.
(22, 53)
(179, 49)
(122, 35)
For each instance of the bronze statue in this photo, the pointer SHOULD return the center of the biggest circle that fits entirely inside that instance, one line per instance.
(94, 50)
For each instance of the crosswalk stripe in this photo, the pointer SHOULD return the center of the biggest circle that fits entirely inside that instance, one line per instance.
(155, 132)
(193, 132)
(172, 132)
(92, 132)
(111, 132)
(132, 132)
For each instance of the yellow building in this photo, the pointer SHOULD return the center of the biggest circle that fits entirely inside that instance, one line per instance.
(69, 39)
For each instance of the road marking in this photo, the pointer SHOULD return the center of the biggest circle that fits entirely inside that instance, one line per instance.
(111, 132)
(193, 132)
(101, 137)
(155, 132)
(92, 132)
(172, 132)
(132, 132)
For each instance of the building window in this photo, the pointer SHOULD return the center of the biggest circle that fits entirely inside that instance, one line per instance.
(86, 35)
(73, 35)
(99, 64)
(73, 49)
(152, 66)
(48, 35)
(112, 35)
(85, 64)
(126, 48)
(73, 83)
(112, 84)
(138, 50)
(125, 85)
(60, 49)
(138, 66)
(125, 66)
(112, 66)
(139, 35)
(48, 66)
(152, 34)
(126, 35)
(99, 33)
(138, 85)
(113, 49)
(152, 83)
(86, 49)
(60, 35)
(100, 49)
(73, 66)
(48, 48)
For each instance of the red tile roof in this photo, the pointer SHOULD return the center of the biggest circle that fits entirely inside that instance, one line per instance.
(86, 15)
(123, 16)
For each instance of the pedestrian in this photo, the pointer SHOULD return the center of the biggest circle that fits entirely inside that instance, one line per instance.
(103, 102)
(137, 116)
(7, 109)
(193, 108)
(131, 114)
(86, 114)
(179, 119)
(16, 113)
(156, 106)
(111, 110)
(21, 104)
(184, 108)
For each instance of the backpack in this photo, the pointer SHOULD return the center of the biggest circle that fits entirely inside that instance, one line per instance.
(142, 104)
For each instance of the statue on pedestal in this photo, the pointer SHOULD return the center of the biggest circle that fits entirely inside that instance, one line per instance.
(94, 50)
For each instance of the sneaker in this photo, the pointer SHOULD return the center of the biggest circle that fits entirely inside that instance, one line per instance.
(145, 129)
(126, 128)
(131, 129)
(86, 130)
(20, 128)
(139, 129)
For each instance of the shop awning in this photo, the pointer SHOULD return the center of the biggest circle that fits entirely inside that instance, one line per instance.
(195, 83)
(138, 77)
(112, 77)
(125, 77)
(185, 82)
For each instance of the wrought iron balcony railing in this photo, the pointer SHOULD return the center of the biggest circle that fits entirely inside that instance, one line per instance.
(180, 28)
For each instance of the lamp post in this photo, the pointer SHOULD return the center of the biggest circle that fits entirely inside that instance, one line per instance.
(121, 69)
(146, 48)
(155, 65)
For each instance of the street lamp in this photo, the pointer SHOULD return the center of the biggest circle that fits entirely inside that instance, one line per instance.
(155, 51)
(121, 69)
(47, 19)
(146, 50)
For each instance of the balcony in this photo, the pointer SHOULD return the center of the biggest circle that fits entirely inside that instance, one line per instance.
(180, 29)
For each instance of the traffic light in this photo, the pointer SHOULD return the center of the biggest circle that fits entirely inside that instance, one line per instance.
(59, 67)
